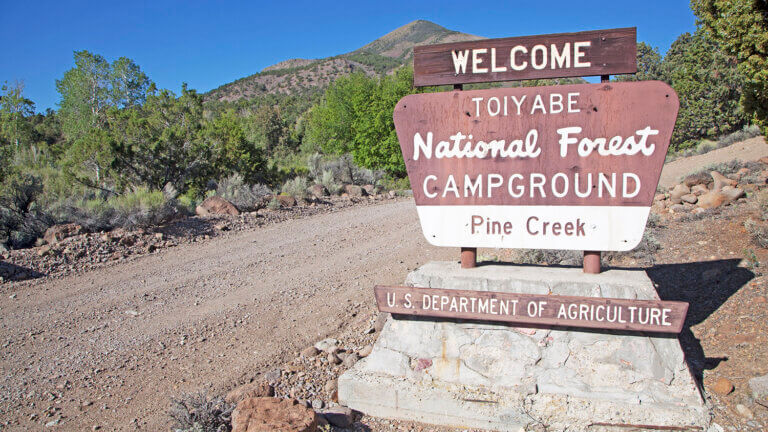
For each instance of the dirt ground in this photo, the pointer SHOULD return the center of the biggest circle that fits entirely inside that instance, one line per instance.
(109, 347)
(749, 150)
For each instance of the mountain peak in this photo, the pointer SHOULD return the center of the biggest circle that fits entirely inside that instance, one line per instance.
(399, 42)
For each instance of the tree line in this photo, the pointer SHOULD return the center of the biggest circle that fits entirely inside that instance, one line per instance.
(116, 141)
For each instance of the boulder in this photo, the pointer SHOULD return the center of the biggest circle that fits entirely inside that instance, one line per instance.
(699, 189)
(216, 205)
(354, 190)
(370, 189)
(262, 414)
(712, 199)
(310, 352)
(721, 180)
(677, 192)
(689, 198)
(58, 233)
(285, 200)
(695, 179)
(318, 191)
(250, 390)
(732, 193)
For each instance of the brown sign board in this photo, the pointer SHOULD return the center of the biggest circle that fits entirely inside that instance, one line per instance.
(534, 310)
(558, 167)
(589, 53)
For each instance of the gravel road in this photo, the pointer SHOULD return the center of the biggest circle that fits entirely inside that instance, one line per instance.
(110, 347)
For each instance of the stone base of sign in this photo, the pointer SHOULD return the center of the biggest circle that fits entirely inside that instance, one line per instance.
(499, 377)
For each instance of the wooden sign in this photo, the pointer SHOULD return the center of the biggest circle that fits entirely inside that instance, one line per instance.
(590, 53)
(539, 310)
(560, 167)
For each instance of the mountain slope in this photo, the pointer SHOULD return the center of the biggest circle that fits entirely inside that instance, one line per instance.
(305, 76)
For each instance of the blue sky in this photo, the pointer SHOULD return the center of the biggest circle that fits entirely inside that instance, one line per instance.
(207, 44)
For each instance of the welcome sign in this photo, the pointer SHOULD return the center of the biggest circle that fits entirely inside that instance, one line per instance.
(560, 167)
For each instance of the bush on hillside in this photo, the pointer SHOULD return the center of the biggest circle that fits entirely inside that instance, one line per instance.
(196, 412)
(243, 196)
(22, 220)
(296, 188)
(139, 208)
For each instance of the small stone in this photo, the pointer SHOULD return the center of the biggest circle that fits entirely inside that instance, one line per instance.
(659, 197)
(744, 411)
(53, 422)
(677, 192)
(699, 189)
(222, 227)
(330, 386)
(339, 416)
(723, 386)
(325, 345)
(689, 198)
(272, 376)
(365, 352)
(678, 208)
(310, 352)
(333, 358)
(317, 404)
(96, 427)
(351, 360)
(44, 251)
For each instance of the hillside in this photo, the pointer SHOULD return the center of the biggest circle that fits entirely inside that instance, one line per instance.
(302, 76)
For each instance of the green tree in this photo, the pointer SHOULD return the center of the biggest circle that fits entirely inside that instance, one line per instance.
(741, 27)
(649, 65)
(94, 86)
(16, 131)
(92, 92)
(159, 142)
(708, 83)
(355, 116)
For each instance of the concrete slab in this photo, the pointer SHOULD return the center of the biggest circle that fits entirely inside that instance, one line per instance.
(494, 376)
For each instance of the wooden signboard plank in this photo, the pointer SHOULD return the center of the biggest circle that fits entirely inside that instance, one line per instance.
(557, 167)
(536, 310)
(589, 53)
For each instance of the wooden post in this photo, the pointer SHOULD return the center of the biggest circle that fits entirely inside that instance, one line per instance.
(591, 262)
(468, 255)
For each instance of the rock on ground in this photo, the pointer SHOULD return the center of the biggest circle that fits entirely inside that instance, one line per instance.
(759, 387)
(216, 205)
(263, 414)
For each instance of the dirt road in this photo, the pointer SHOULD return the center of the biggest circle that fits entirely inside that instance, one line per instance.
(109, 347)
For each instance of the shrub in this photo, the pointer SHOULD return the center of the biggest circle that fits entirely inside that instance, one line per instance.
(329, 182)
(197, 413)
(296, 188)
(141, 207)
(244, 197)
(758, 233)
(22, 220)
(546, 256)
